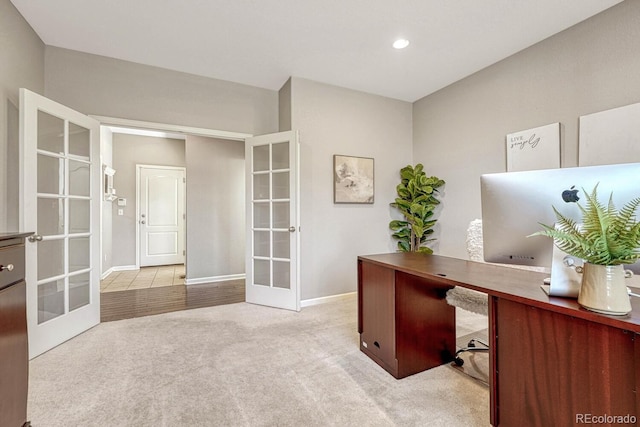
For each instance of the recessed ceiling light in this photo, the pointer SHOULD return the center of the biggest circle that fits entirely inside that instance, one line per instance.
(401, 43)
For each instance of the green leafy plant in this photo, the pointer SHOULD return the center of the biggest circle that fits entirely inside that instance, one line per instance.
(416, 201)
(606, 236)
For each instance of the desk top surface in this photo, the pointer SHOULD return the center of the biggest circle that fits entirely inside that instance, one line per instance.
(505, 282)
(6, 235)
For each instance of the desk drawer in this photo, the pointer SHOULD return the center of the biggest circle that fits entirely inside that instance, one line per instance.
(11, 256)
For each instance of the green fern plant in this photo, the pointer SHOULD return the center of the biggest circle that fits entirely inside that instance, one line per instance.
(416, 201)
(606, 236)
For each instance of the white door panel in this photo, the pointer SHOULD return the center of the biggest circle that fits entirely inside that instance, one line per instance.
(272, 269)
(161, 215)
(60, 197)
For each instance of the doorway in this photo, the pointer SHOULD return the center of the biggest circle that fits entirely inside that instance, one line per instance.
(124, 151)
(213, 244)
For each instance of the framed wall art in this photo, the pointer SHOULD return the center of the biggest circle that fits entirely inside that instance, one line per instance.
(610, 137)
(353, 179)
(532, 149)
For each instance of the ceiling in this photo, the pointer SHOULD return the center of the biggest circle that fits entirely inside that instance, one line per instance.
(340, 42)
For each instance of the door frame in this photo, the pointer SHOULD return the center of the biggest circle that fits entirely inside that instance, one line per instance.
(184, 207)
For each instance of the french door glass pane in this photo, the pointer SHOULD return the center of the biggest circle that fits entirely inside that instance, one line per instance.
(281, 244)
(281, 274)
(261, 272)
(79, 215)
(50, 300)
(261, 246)
(78, 178)
(50, 133)
(79, 141)
(280, 155)
(50, 216)
(50, 258)
(260, 158)
(261, 215)
(79, 291)
(50, 174)
(281, 215)
(78, 253)
(261, 187)
(281, 185)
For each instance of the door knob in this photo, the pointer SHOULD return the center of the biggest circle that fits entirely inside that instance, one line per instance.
(292, 229)
(143, 222)
(35, 238)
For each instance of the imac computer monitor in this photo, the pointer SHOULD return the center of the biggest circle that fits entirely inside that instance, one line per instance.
(515, 203)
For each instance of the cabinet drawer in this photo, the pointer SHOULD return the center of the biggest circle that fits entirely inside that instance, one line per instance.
(13, 255)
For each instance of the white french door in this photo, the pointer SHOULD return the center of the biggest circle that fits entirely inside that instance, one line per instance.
(161, 215)
(59, 201)
(272, 265)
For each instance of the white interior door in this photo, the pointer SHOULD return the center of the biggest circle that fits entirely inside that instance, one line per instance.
(161, 215)
(60, 197)
(272, 270)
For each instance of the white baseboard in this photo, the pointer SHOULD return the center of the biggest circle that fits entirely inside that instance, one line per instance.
(323, 300)
(118, 268)
(213, 279)
(106, 274)
(125, 267)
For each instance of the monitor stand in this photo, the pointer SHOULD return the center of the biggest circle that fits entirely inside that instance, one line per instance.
(565, 281)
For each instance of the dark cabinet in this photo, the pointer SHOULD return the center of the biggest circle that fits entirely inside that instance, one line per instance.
(405, 323)
(14, 350)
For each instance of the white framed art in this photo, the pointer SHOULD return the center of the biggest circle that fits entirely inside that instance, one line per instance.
(533, 149)
(353, 179)
(610, 137)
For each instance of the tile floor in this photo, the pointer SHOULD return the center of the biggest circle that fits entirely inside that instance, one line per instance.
(146, 277)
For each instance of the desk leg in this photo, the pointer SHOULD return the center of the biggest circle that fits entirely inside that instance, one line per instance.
(493, 362)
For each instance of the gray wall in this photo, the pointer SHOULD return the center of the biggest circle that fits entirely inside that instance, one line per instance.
(215, 208)
(284, 107)
(459, 132)
(110, 87)
(333, 120)
(21, 65)
(129, 150)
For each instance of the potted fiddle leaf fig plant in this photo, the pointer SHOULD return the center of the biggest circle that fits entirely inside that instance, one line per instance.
(417, 201)
(606, 239)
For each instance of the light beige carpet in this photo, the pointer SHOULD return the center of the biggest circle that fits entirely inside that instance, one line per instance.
(242, 365)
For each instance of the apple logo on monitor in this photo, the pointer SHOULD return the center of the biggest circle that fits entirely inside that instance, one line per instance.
(571, 195)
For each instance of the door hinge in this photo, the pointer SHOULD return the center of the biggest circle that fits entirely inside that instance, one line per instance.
(184, 253)
(184, 180)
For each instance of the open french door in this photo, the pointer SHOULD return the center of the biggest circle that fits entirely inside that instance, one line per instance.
(60, 196)
(273, 220)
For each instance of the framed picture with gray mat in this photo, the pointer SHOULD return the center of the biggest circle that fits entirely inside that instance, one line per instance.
(353, 179)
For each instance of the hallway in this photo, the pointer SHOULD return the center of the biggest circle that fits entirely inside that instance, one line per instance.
(146, 277)
(155, 290)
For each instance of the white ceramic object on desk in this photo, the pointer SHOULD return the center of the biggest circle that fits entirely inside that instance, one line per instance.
(603, 289)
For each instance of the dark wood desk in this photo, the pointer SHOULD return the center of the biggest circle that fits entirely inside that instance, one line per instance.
(552, 362)
(14, 350)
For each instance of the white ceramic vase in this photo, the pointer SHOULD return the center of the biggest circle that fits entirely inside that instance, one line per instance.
(604, 290)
